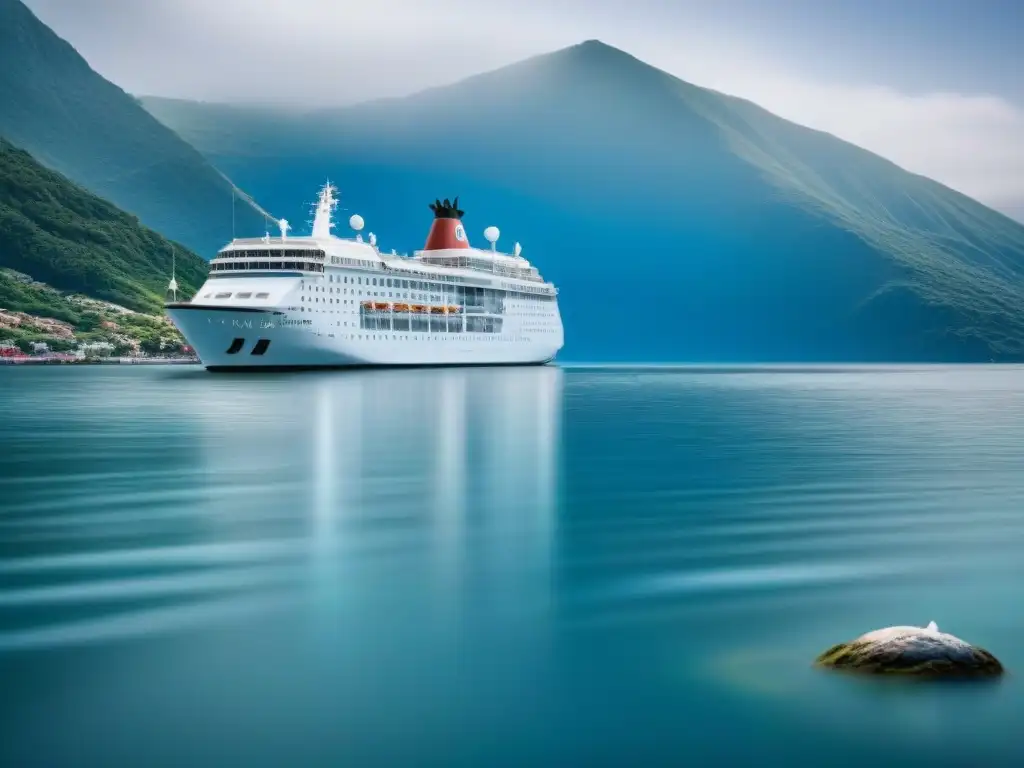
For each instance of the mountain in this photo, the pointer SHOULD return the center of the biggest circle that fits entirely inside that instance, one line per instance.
(61, 235)
(678, 222)
(72, 120)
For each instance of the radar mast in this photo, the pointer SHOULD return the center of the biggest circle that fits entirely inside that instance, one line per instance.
(325, 206)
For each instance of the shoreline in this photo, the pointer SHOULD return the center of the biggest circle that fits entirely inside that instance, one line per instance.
(99, 361)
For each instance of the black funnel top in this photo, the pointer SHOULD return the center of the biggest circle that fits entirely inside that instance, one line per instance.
(446, 210)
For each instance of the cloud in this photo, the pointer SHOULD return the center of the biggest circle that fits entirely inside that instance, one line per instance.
(322, 52)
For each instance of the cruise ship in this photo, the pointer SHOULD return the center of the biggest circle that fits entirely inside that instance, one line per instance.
(325, 301)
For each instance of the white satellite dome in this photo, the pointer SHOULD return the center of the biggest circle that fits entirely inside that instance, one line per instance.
(491, 234)
(356, 222)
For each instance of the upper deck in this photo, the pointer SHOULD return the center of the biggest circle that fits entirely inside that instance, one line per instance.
(323, 251)
(490, 262)
(308, 255)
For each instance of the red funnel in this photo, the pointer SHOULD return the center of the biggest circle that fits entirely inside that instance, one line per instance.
(447, 230)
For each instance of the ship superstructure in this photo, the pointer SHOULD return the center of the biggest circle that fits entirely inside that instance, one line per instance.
(326, 301)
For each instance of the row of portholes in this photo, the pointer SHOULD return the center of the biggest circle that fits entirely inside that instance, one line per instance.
(392, 337)
(330, 301)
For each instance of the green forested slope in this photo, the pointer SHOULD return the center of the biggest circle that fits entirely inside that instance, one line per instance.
(62, 235)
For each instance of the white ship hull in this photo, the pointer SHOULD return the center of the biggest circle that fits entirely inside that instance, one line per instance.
(211, 331)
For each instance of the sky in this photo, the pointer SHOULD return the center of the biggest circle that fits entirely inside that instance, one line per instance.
(937, 86)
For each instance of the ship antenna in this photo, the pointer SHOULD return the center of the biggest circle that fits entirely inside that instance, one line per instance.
(172, 286)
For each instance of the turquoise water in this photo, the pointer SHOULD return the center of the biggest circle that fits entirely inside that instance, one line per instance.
(502, 567)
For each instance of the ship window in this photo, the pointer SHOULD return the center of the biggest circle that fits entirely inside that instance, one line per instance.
(262, 295)
(236, 345)
(261, 347)
(275, 265)
(207, 295)
(222, 296)
(243, 295)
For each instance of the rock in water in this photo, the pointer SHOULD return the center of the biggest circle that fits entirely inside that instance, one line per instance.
(912, 651)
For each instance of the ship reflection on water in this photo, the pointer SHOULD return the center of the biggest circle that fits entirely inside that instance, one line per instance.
(452, 472)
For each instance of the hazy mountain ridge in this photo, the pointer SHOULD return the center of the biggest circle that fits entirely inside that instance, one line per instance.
(958, 253)
(768, 240)
(74, 121)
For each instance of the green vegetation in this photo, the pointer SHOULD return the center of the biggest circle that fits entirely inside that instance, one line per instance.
(74, 121)
(19, 293)
(62, 235)
(75, 270)
(35, 312)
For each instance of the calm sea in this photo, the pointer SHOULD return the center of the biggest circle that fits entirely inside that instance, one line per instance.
(502, 567)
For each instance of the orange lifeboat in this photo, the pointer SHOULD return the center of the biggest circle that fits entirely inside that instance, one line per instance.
(381, 306)
(437, 310)
(401, 307)
(419, 308)
(454, 310)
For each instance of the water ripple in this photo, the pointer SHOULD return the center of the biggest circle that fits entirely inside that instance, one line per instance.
(553, 555)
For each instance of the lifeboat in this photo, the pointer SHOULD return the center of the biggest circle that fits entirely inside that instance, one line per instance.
(381, 306)
(367, 304)
(419, 308)
(454, 310)
(401, 307)
(437, 310)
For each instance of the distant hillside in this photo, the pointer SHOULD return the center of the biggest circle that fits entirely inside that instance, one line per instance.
(679, 223)
(62, 235)
(71, 119)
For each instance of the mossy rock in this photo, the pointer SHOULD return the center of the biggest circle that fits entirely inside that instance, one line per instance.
(914, 652)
